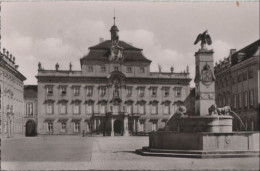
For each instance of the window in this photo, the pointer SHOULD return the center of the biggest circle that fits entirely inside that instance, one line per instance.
(154, 126)
(90, 69)
(166, 109)
(63, 127)
(49, 90)
(50, 127)
(50, 106)
(129, 69)
(76, 90)
(102, 108)
(76, 126)
(141, 70)
(103, 69)
(142, 126)
(115, 109)
(154, 109)
(63, 90)
(251, 97)
(76, 108)
(29, 108)
(128, 91)
(235, 101)
(129, 109)
(89, 91)
(251, 73)
(89, 108)
(102, 91)
(141, 109)
(178, 92)
(240, 100)
(245, 75)
(245, 99)
(116, 68)
(154, 92)
(63, 108)
(166, 92)
(141, 91)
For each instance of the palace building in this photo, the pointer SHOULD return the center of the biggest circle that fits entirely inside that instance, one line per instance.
(237, 85)
(11, 90)
(114, 93)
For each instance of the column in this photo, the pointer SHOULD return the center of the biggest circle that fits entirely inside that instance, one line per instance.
(134, 126)
(112, 126)
(95, 125)
(138, 126)
(126, 133)
(87, 127)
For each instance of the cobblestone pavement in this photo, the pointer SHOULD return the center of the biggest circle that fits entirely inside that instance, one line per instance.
(111, 153)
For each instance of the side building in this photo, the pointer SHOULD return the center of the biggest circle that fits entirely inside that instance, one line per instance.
(114, 93)
(11, 109)
(237, 85)
(30, 110)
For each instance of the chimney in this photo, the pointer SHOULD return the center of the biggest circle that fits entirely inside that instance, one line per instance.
(14, 59)
(232, 51)
(11, 57)
(16, 67)
(101, 40)
(4, 51)
(172, 69)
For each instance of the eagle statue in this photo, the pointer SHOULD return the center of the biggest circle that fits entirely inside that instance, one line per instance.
(204, 38)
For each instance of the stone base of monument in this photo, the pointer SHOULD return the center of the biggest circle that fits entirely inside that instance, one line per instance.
(202, 144)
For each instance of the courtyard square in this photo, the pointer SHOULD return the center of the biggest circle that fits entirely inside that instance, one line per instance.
(101, 153)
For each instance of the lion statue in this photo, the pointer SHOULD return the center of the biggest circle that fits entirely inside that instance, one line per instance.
(181, 110)
(224, 110)
(213, 109)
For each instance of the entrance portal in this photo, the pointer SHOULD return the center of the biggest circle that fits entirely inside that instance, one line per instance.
(30, 128)
(118, 127)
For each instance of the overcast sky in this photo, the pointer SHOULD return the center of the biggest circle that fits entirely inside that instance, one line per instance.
(52, 32)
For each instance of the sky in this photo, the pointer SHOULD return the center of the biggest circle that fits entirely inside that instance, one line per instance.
(51, 32)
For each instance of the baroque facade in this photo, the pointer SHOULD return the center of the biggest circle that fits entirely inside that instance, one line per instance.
(114, 93)
(30, 110)
(12, 100)
(237, 85)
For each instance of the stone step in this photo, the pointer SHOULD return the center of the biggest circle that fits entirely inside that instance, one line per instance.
(192, 154)
(199, 151)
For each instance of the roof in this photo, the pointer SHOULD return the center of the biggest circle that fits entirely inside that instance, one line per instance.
(108, 43)
(101, 52)
(30, 91)
(247, 51)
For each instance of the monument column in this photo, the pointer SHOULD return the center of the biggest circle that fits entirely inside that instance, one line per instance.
(112, 126)
(204, 81)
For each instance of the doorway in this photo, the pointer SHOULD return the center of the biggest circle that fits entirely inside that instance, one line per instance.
(30, 128)
(118, 127)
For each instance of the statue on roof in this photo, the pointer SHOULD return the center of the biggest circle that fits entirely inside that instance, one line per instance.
(204, 38)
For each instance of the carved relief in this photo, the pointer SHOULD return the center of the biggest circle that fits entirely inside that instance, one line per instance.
(207, 75)
(206, 96)
(116, 52)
